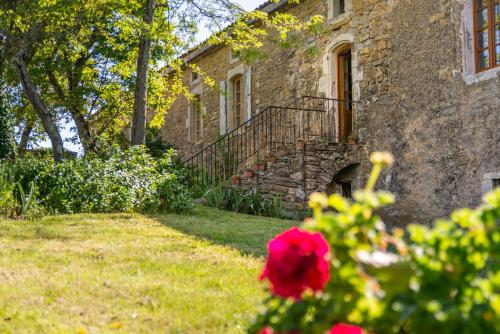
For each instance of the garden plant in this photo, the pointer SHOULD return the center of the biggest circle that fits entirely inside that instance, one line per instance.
(122, 181)
(346, 272)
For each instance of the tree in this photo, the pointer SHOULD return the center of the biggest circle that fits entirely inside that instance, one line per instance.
(7, 147)
(22, 40)
(6, 139)
(91, 61)
(141, 86)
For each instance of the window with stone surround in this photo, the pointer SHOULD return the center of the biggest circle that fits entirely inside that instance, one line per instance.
(490, 182)
(337, 7)
(194, 76)
(487, 34)
(197, 119)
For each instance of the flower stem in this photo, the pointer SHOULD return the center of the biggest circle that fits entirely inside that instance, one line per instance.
(374, 175)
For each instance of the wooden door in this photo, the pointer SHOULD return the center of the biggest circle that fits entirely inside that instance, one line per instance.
(345, 93)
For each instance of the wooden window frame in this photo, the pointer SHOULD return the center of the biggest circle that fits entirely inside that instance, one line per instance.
(238, 109)
(197, 120)
(492, 23)
(345, 104)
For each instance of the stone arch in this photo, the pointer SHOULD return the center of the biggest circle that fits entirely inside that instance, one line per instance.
(344, 180)
(329, 79)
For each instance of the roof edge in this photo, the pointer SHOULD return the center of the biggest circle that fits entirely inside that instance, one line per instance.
(267, 7)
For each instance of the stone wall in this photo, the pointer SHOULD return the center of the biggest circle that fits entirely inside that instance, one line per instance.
(417, 101)
(444, 132)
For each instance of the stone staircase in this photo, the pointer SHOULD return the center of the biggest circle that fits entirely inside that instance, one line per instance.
(285, 151)
(297, 172)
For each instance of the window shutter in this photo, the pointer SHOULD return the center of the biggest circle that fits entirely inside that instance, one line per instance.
(248, 93)
(190, 123)
(229, 106)
(202, 125)
(223, 107)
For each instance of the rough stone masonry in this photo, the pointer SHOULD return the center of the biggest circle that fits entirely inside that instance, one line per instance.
(420, 96)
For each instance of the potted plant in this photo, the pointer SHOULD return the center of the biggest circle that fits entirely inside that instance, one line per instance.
(261, 165)
(352, 139)
(248, 172)
(235, 180)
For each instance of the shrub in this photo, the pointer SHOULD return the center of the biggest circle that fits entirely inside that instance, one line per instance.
(252, 203)
(125, 181)
(8, 203)
(440, 279)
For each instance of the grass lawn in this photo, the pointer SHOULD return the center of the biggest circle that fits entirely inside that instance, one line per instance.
(133, 274)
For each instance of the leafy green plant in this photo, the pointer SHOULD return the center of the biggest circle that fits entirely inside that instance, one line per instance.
(253, 203)
(443, 278)
(216, 197)
(8, 203)
(124, 181)
(26, 199)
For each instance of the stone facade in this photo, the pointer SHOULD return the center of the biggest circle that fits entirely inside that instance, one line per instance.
(420, 99)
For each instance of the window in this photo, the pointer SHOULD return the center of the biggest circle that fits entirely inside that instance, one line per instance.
(234, 56)
(496, 183)
(194, 76)
(490, 182)
(346, 189)
(341, 6)
(197, 120)
(238, 109)
(487, 34)
(345, 92)
(337, 7)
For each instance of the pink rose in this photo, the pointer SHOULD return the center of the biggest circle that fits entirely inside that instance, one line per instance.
(346, 329)
(297, 261)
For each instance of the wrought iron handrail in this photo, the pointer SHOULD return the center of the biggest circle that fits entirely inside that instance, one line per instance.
(307, 118)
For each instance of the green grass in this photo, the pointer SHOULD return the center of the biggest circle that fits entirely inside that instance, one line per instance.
(133, 274)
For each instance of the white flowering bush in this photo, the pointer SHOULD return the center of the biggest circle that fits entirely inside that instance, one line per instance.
(126, 181)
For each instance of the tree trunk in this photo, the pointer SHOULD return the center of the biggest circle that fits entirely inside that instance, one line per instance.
(84, 132)
(83, 127)
(48, 121)
(141, 87)
(25, 137)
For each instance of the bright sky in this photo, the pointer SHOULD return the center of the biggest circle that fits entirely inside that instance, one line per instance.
(66, 133)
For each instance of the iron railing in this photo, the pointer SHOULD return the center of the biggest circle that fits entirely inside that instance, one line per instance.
(307, 118)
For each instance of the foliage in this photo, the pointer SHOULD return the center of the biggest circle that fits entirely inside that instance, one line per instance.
(237, 200)
(157, 146)
(7, 147)
(126, 181)
(443, 278)
(8, 203)
(82, 56)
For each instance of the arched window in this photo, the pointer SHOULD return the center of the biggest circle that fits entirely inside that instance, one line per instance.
(487, 34)
(238, 108)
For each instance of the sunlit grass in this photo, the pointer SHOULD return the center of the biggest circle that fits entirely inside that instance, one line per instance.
(132, 274)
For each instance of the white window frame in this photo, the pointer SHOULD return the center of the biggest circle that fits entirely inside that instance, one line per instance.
(334, 16)
(488, 179)
(469, 72)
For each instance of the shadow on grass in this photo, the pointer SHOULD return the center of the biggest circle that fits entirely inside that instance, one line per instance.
(248, 234)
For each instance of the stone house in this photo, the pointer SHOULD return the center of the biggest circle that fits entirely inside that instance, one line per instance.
(420, 79)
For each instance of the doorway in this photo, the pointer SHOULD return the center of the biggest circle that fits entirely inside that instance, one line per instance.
(345, 94)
